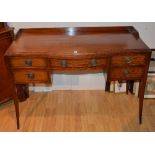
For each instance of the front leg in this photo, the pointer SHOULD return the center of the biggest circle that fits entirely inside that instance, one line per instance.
(141, 98)
(16, 103)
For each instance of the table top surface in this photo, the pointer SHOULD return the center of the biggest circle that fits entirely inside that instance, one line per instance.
(69, 42)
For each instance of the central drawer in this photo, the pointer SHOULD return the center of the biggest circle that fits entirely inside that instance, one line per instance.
(31, 76)
(80, 63)
(27, 62)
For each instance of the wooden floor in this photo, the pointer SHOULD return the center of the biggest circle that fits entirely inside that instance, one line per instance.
(79, 111)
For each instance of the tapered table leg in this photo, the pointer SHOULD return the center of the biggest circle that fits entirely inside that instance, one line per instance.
(141, 98)
(16, 103)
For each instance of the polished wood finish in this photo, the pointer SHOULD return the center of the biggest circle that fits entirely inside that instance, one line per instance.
(60, 64)
(31, 76)
(62, 42)
(125, 73)
(129, 60)
(6, 89)
(5, 82)
(18, 62)
(6, 85)
(117, 50)
(79, 111)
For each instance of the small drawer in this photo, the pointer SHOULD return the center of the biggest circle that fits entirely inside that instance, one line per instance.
(129, 60)
(55, 63)
(28, 62)
(126, 73)
(31, 76)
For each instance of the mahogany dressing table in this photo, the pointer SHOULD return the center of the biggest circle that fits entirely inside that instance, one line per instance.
(37, 53)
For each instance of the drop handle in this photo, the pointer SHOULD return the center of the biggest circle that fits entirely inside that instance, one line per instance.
(28, 63)
(30, 76)
(93, 63)
(126, 73)
(128, 60)
(64, 63)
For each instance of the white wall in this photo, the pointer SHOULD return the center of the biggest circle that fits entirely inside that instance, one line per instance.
(88, 81)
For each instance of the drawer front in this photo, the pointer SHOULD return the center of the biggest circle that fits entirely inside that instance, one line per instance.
(130, 60)
(86, 63)
(31, 76)
(28, 62)
(126, 73)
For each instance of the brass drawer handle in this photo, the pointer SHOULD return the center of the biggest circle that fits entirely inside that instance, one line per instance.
(28, 63)
(128, 60)
(64, 63)
(126, 73)
(93, 63)
(30, 76)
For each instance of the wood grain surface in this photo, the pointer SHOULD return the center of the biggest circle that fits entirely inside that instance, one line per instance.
(113, 49)
(79, 111)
